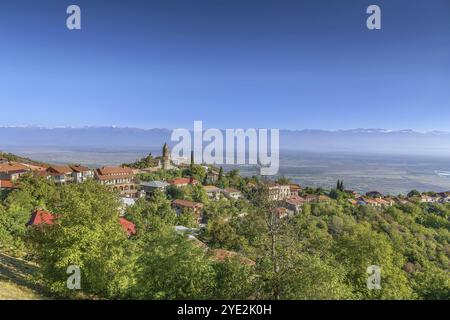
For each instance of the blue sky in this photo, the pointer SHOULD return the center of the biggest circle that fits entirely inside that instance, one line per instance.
(231, 63)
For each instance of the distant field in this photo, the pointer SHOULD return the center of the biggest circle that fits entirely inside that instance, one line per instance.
(390, 174)
(15, 279)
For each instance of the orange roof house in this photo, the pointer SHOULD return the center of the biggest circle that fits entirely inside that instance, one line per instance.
(294, 203)
(120, 179)
(7, 184)
(180, 182)
(41, 217)
(108, 173)
(187, 204)
(34, 167)
(79, 168)
(128, 226)
(12, 170)
(12, 167)
(295, 189)
(60, 170)
(196, 207)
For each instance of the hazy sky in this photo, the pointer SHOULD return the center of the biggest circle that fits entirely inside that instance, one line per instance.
(231, 63)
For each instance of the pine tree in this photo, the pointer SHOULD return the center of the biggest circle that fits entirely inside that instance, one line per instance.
(340, 185)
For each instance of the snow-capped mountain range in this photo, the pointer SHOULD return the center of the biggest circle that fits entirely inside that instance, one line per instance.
(355, 140)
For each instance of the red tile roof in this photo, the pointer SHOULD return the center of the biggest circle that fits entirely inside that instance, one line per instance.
(211, 189)
(107, 173)
(115, 171)
(40, 217)
(59, 169)
(13, 167)
(295, 200)
(79, 168)
(180, 181)
(128, 226)
(34, 167)
(6, 184)
(187, 204)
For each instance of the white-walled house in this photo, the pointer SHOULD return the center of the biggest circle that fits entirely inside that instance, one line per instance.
(232, 193)
(213, 192)
(279, 192)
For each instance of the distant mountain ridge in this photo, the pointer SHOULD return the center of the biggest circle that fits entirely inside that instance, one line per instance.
(355, 140)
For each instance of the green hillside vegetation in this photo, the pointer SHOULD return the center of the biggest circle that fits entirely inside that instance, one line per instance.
(321, 253)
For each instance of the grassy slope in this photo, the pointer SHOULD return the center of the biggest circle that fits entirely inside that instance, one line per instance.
(15, 279)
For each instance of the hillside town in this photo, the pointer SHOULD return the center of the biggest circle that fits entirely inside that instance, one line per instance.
(194, 216)
(128, 182)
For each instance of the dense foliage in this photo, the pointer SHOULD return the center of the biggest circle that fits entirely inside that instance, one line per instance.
(321, 253)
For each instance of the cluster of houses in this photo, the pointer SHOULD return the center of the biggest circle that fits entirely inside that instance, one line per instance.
(290, 198)
(293, 204)
(376, 199)
(442, 197)
(122, 180)
(12, 171)
(117, 178)
(213, 192)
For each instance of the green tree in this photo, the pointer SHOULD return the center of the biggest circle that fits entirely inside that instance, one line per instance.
(197, 172)
(340, 185)
(172, 267)
(219, 233)
(284, 180)
(12, 230)
(187, 218)
(414, 193)
(432, 283)
(142, 211)
(174, 192)
(234, 280)
(313, 278)
(360, 248)
(220, 173)
(35, 192)
(87, 234)
(198, 194)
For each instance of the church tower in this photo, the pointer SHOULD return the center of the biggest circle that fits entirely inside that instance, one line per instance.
(166, 157)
